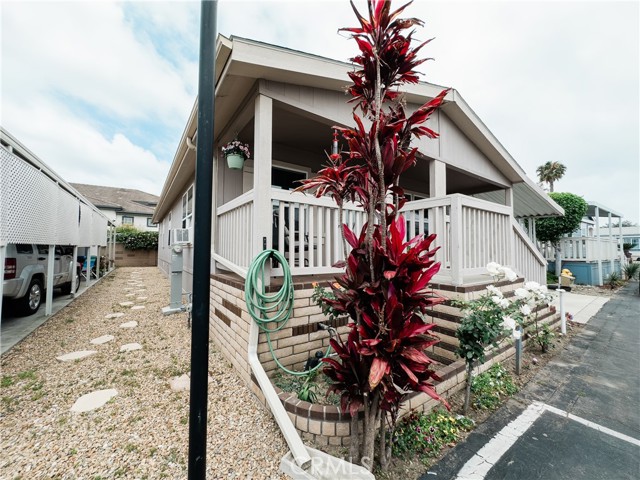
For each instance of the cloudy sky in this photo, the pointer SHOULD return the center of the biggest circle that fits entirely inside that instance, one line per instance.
(101, 91)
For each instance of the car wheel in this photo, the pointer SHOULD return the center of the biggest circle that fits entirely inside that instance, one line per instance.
(30, 303)
(66, 288)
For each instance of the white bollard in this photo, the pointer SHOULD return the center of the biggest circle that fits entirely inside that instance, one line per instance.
(563, 319)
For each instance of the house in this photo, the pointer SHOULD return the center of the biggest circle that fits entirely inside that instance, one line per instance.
(466, 188)
(124, 206)
(592, 252)
(629, 234)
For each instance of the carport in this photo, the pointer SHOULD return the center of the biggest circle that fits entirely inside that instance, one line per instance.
(37, 206)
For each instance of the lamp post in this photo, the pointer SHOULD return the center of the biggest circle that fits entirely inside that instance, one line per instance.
(202, 246)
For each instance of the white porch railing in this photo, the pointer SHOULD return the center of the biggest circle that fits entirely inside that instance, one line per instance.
(528, 260)
(234, 232)
(306, 230)
(584, 249)
(471, 233)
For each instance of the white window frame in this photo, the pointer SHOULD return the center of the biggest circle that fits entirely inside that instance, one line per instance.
(187, 208)
(124, 222)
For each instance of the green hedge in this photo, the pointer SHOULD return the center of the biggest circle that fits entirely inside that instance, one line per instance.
(134, 240)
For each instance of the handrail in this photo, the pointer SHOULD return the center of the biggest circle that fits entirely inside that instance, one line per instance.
(517, 228)
(299, 197)
(235, 203)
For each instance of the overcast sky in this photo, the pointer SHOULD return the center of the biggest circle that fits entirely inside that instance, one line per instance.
(101, 91)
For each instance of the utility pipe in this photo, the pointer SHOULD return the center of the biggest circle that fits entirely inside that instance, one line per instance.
(298, 450)
(563, 320)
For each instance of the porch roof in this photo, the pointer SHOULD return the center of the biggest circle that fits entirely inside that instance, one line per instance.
(240, 62)
(603, 211)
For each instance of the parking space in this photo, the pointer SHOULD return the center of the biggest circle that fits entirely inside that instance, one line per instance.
(13, 327)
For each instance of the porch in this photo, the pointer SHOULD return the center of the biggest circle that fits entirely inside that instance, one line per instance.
(469, 233)
(590, 259)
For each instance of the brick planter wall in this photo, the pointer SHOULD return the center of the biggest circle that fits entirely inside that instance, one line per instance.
(229, 323)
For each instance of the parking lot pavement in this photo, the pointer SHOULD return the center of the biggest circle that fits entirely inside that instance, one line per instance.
(577, 419)
(14, 328)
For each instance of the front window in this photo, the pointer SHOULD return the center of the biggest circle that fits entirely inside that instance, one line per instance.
(127, 220)
(187, 208)
(150, 222)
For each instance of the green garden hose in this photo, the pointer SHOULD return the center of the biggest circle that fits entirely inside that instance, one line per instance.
(275, 308)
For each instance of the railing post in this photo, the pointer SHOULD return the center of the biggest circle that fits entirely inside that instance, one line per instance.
(456, 240)
(262, 209)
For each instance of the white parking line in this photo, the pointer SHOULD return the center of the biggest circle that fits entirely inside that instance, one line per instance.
(480, 464)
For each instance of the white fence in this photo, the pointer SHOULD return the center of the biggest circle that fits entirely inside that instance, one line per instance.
(585, 249)
(35, 208)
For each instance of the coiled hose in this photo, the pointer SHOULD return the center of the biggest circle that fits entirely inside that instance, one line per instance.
(274, 308)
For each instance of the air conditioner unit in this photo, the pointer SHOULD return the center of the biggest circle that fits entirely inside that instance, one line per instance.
(180, 236)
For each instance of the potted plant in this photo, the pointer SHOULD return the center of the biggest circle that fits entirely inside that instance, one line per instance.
(236, 153)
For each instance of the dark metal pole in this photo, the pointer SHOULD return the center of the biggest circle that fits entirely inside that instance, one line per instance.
(202, 245)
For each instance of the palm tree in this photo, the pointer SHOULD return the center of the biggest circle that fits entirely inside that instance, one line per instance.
(551, 172)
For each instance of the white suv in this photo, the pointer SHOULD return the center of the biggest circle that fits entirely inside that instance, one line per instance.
(25, 274)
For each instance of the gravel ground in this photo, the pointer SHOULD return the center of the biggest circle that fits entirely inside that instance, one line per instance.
(143, 431)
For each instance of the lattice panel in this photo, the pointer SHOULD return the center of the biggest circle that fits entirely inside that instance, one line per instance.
(67, 218)
(35, 209)
(86, 225)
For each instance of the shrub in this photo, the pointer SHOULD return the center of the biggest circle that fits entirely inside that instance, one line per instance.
(631, 270)
(132, 239)
(425, 434)
(614, 280)
(490, 387)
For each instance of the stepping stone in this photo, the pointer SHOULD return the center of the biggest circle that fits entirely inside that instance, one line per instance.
(115, 315)
(126, 304)
(131, 324)
(130, 347)
(130, 295)
(102, 339)
(183, 382)
(138, 307)
(141, 299)
(93, 400)
(69, 357)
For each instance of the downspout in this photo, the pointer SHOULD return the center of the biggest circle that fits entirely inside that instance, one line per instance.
(299, 451)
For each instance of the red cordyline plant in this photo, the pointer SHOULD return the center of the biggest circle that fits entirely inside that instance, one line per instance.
(384, 289)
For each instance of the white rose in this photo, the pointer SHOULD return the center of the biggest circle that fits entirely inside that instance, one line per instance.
(493, 268)
(508, 274)
(494, 291)
(521, 292)
(508, 323)
(525, 309)
(533, 286)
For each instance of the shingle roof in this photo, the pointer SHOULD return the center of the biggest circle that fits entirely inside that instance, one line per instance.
(123, 200)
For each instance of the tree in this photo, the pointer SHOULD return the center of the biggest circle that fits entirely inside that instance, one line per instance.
(553, 229)
(384, 289)
(551, 172)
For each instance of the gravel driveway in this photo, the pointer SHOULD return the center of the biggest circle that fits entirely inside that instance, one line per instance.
(143, 431)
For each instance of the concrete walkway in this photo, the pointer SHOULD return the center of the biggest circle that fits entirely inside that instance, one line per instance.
(582, 307)
(577, 419)
(14, 328)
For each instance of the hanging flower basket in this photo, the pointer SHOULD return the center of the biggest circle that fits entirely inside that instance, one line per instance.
(236, 153)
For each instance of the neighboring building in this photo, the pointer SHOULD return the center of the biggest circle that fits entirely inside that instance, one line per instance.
(629, 234)
(592, 252)
(283, 103)
(124, 206)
